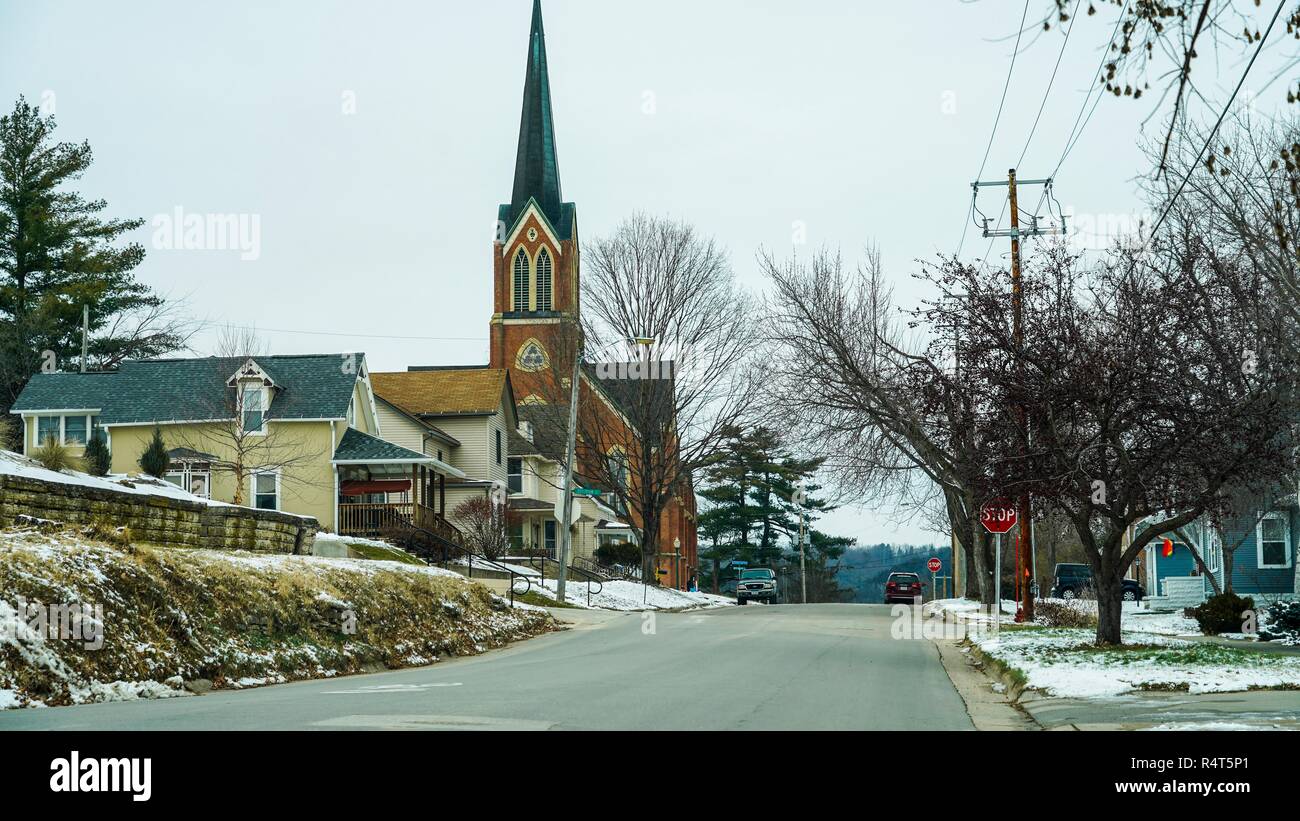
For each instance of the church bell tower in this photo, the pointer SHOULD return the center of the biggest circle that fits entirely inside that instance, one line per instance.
(535, 251)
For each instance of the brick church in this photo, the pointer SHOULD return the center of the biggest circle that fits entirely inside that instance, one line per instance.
(535, 327)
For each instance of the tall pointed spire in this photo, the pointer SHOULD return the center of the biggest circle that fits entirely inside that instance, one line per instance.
(537, 168)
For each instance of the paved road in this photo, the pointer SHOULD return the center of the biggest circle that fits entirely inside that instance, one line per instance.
(752, 668)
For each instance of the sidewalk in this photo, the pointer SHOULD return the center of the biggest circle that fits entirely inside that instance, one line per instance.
(1253, 710)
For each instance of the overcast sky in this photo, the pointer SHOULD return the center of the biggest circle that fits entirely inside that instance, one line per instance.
(370, 142)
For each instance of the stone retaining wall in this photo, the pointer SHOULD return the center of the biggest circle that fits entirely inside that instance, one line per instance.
(160, 520)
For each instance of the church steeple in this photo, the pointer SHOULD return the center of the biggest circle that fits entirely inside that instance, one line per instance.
(537, 168)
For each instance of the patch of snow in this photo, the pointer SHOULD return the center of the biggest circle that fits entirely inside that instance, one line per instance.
(624, 595)
(1064, 663)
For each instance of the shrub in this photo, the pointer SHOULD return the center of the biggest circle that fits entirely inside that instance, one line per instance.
(1282, 623)
(1063, 613)
(624, 553)
(154, 461)
(8, 433)
(55, 456)
(98, 459)
(1221, 613)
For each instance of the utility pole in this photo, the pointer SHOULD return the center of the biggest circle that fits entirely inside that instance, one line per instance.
(85, 335)
(803, 568)
(1018, 340)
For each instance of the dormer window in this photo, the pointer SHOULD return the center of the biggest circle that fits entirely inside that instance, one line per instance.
(544, 280)
(252, 405)
(254, 390)
(521, 281)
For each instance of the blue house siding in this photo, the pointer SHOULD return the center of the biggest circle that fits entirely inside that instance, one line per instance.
(1247, 576)
(1180, 564)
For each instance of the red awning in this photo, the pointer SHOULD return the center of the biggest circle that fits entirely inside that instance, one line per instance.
(361, 488)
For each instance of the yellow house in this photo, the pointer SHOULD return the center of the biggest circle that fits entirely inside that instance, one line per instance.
(299, 434)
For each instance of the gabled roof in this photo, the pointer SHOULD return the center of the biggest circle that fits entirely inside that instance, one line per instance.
(550, 428)
(445, 391)
(356, 446)
(313, 386)
(537, 164)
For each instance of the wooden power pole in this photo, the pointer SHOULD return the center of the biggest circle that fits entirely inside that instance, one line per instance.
(1024, 560)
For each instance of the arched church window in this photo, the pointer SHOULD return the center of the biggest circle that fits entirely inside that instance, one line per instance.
(544, 280)
(521, 281)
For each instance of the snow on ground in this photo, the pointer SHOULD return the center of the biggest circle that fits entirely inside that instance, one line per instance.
(280, 561)
(14, 464)
(1066, 663)
(968, 610)
(516, 568)
(622, 595)
(1214, 726)
(1160, 624)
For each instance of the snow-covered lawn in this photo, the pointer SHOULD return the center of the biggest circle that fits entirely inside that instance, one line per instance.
(969, 611)
(1066, 663)
(623, 595)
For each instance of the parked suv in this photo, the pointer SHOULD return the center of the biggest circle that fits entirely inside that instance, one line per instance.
(903, 587)
(1075, 580)
(756, 584)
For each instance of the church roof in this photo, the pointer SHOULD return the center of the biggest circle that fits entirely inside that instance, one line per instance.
(537, 165)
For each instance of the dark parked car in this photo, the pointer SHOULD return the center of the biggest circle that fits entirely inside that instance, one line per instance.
(757, 584)
(1075, 580)
(903, 587)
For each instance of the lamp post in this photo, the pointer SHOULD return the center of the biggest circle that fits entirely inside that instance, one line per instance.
(569, 449)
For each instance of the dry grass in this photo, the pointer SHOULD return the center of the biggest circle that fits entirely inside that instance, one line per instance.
(234, 619)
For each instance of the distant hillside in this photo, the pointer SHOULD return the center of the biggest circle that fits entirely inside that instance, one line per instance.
(865, 569)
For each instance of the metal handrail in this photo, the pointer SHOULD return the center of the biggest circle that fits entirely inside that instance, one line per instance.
(470, 555)
(590, 578)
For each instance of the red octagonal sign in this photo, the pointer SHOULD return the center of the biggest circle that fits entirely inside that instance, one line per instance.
(998, 516)
(934, 565)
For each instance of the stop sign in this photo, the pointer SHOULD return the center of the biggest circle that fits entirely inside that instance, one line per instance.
(998, 516)
(935, 565)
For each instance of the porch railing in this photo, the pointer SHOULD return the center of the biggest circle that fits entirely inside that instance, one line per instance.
(374, 519)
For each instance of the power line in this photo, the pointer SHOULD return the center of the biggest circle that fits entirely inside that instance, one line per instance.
(1196, 161)
(210, 324)
(997, 119)
(1048, 92)
(1076, 131)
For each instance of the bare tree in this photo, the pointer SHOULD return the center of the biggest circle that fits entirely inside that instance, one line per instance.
(655, 415)
(486, 525)
(236, 434)
(891, 417)
(1151, 387)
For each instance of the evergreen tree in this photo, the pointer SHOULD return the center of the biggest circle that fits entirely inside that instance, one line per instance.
(98, 460)
(154, 461)
(57, 254)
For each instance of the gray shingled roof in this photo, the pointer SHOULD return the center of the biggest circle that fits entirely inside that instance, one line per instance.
(65, 391)
(356, 446)
(315, 386)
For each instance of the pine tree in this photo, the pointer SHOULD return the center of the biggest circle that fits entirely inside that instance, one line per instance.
(57, 254)
(155, 461)
(98, 460)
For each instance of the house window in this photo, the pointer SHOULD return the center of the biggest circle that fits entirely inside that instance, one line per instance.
(74, 430)
(252, 408)
(498, 433)
(266, 491)
(49, 426)
(521, 281)
(517, 536)
(544, 280)
(1273, 540)
(515, 474)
